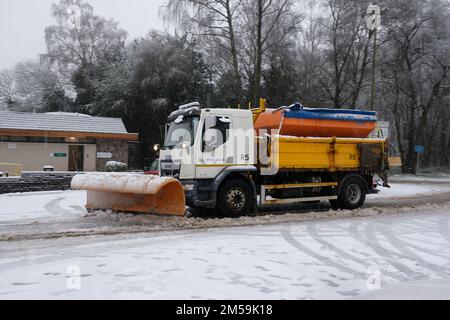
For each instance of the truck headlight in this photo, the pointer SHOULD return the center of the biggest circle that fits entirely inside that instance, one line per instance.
(188, 187)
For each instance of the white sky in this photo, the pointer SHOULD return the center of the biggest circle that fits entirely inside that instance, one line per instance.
(22, 23)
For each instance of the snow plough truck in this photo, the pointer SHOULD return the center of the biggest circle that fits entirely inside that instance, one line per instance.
(235, 160)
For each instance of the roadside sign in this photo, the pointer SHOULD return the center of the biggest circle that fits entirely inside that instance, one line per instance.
(104, 155)
(373, 17)
(420, 149)
(58, 155)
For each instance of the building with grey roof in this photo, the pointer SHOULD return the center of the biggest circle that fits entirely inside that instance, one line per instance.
(64, 141)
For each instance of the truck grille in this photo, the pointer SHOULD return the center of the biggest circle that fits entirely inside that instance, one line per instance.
(170, 168)
(170, 173)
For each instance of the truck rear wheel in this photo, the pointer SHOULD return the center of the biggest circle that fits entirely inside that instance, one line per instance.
(353, 194)
(235, 198)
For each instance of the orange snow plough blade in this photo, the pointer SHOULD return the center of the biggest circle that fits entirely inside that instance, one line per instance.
(135, 193)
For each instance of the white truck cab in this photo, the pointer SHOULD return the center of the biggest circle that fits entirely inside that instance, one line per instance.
(203, 146)
(199, 144)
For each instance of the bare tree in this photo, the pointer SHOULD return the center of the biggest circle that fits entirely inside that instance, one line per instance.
(81, 38)
(347, 53)
(214, 21)
(416, 66)
(267, 24)
(309, 45)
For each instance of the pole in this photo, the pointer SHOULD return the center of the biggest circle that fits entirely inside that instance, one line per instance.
(372, 99)
(418, 164)
(373, 23)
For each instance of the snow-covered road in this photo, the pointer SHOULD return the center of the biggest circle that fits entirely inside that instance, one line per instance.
(315, 254)
(56, 214)
(331, 259)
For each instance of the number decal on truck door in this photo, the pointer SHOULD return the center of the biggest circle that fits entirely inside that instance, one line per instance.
(245, 157)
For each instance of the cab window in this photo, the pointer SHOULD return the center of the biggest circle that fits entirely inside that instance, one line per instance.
(215, 132)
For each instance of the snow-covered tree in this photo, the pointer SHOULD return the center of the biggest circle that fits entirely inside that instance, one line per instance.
(83, 44)
(416, 77)
(8, 91)
(39, 87)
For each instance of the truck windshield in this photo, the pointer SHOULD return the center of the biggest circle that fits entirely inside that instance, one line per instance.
(181, 132)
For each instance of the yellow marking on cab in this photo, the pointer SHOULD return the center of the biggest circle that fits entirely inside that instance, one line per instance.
(221, 165)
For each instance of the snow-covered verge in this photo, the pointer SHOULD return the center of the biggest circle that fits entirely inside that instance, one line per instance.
(324, 259)
(435, 177)
(38, 206)
(176, 223)
(399, 190)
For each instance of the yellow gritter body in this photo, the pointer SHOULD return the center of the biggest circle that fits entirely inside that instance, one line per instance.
(330, 154)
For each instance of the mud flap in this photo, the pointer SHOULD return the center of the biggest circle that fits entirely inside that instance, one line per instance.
(384, 176)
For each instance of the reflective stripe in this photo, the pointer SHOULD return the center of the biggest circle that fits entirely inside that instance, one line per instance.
(220, 165)
(301, 185)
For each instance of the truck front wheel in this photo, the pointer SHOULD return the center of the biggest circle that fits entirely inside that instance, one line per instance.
(235, 198)
(352, 195)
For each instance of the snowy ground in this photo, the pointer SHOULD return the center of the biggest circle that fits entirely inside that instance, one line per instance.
(308, 255)
(435, 177)
(38, 207)
(399, 190)
(334, 259)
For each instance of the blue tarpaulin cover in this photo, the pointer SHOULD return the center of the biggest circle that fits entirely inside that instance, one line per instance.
(298, 111)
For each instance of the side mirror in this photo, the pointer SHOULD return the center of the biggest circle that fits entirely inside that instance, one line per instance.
(185, 145)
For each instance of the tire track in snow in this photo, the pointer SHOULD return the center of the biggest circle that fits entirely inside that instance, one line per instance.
(55, 207)
(427, 251)
(444, 228)
(355, 234)
(287, 235)
(386, 230)
(312, 229)
(389, 255)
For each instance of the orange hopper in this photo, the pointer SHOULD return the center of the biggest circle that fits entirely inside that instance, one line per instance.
(305, 122)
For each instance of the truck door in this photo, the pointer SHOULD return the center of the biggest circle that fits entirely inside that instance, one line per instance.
(216, 146)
